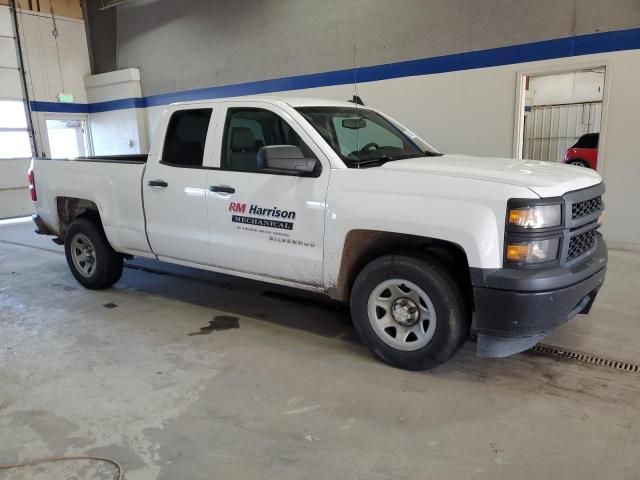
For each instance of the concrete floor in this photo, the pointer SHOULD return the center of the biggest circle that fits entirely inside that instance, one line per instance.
(291, 393)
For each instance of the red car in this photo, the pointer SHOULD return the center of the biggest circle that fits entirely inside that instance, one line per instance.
(585, 152)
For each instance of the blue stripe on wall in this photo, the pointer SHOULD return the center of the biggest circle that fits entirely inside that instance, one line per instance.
(87, 107)
(37, 106)
(530, 52)
(116, 105)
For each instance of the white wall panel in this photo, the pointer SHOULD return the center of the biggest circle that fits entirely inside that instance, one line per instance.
(115, 133)
(6, 27)
(10, 86)
(8, 53)
(14, 194)
(14, 173)
(15, 202)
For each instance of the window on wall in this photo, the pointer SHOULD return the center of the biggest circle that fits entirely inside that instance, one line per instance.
(68, 138)
(14, 134)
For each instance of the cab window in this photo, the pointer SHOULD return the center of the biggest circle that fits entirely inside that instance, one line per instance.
(247, 130)
(186, 137)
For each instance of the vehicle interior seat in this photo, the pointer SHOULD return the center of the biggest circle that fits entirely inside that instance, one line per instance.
(243, 150)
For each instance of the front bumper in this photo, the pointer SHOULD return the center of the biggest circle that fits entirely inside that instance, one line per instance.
(516, 308)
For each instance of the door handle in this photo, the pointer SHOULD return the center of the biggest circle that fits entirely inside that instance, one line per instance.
(157, 183)
(222, 189)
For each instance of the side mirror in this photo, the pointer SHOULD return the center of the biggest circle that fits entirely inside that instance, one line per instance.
(285, 159)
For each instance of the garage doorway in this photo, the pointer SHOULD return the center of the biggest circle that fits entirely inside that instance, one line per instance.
(68, 137)
(561, 116)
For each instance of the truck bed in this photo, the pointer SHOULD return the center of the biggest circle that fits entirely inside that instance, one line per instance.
(112, 183)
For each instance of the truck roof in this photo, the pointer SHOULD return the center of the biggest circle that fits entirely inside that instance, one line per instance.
(293, 101)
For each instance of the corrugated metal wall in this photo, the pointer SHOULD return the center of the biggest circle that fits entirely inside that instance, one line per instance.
(551, 129)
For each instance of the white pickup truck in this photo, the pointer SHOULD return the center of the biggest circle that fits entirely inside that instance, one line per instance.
(339, 198)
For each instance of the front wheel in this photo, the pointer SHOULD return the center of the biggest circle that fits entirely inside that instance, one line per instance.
(409, 311)
(92, 261)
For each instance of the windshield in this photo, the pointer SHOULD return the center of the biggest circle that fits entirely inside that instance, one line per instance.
(361, 136)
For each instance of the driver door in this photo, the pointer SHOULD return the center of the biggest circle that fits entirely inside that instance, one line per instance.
(262, 223)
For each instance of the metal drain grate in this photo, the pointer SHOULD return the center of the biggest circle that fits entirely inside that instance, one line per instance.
(556, 352)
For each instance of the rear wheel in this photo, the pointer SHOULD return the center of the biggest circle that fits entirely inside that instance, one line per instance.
(93, 263)
(409, 311)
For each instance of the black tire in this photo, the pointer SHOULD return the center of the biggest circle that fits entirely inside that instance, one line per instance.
(579, 163)
(433, 277)
(108, 264)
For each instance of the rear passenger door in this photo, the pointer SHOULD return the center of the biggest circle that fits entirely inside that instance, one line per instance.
(174, 187)
(264, 223)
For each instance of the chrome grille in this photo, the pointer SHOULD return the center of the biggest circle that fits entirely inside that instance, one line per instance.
(581, 244)
(586, 207)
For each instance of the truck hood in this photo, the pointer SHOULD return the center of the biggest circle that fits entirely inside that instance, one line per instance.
(546, 179)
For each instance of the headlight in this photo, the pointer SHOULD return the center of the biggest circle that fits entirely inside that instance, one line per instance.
(534, 251)
(540, 216)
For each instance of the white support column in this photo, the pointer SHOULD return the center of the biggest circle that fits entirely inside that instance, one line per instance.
(118, 131)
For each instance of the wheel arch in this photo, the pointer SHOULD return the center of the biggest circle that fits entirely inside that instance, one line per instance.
(364, 246)
(70, 208)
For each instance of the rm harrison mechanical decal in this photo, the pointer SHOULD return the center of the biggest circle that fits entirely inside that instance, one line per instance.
(275, 220)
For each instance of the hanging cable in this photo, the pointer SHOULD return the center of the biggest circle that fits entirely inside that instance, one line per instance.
(55, 34)
(119, 475)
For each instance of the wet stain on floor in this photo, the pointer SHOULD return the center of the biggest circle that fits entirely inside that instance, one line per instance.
(221, 322)
(66, 288)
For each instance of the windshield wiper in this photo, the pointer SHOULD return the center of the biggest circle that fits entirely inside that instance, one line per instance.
(390, 158)
(381, 159)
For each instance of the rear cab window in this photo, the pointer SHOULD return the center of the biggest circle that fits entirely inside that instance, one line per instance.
(186, 138)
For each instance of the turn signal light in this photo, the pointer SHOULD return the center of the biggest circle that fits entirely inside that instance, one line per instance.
(517, 217)
(517, 252)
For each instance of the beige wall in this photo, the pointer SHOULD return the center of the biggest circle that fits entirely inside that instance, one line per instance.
(14, 194)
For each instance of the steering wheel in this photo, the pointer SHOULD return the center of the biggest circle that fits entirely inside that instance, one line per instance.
(370, 146)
